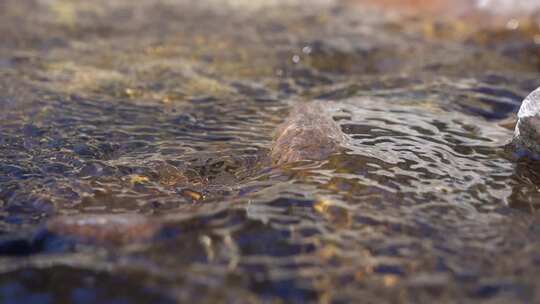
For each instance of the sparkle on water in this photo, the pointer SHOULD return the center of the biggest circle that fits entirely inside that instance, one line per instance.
(166, 109)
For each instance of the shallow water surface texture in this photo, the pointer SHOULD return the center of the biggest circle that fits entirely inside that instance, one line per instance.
(135, 143)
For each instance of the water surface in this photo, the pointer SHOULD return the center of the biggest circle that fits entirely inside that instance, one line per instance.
(167, 109)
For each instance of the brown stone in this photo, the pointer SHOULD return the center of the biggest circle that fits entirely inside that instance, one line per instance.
(309, 133)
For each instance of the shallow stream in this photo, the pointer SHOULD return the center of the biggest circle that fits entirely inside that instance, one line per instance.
(167, 109)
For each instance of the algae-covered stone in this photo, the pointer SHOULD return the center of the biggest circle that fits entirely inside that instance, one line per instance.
(527, 132)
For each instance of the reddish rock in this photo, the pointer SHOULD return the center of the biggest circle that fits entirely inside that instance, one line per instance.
(105, 228)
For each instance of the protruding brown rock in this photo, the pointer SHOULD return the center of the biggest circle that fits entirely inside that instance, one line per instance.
(116, 229)
(309, 133)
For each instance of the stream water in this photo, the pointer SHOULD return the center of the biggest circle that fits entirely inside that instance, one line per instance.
(167, 109)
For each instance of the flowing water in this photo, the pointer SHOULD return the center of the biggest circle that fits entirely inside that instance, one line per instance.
(167, 109)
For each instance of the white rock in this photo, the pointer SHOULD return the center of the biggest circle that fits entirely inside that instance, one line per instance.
(527, 132)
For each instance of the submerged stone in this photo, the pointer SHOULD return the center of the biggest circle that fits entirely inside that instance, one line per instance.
(527, 131)
(309, 133)
(116, 229)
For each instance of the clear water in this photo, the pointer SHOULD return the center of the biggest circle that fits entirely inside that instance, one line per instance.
(167, 109)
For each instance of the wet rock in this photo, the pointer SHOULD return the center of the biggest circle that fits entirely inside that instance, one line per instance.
(105, 229)
(309, 133)
(527, 132)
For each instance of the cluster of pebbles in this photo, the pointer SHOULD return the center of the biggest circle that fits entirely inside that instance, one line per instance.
(527, 132)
